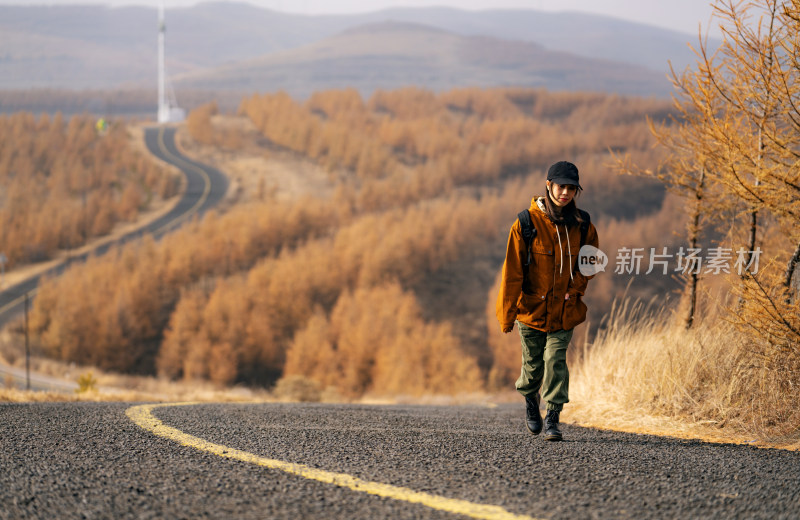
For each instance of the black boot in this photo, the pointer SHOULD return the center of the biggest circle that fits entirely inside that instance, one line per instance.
(533, 419)
(551, 432)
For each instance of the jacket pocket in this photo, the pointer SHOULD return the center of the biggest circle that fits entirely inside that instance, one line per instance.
(533, 309)
(574, 311)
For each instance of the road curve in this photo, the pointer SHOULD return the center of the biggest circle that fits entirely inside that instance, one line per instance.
(91, 460)
(205, 187)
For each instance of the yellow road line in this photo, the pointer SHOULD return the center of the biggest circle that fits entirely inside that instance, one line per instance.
(142, 415)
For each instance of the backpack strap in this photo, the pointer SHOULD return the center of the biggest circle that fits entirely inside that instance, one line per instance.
(584, 225)
(585, 221)
(528, 231)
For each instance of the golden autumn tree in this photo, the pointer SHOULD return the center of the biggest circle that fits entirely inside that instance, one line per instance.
(734, 152)
(376, 342)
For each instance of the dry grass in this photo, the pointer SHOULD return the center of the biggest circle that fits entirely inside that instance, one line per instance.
(13, 395)
(115, 387)
(122, 388)
(647, 374)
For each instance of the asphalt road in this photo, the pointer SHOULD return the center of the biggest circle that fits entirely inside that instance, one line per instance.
(205, 187)
(90, 460)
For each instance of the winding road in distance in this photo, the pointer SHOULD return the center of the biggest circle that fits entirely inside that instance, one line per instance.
(345, 461)
(205, 187)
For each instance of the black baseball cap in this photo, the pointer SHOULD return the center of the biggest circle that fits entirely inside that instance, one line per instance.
(564, 172)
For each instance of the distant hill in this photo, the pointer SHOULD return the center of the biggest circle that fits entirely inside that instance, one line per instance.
(391, 55)
(100, 47)
(588, 35)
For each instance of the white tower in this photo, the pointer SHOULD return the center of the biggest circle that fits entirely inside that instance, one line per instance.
(167, 111)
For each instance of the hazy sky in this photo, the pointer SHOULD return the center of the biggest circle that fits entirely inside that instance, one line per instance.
(680, 15)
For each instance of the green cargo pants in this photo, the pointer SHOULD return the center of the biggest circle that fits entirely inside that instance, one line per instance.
(544, 365)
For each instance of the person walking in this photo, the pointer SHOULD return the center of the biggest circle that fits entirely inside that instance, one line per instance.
(541, 291)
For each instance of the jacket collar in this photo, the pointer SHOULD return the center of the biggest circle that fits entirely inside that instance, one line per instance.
(539, 203)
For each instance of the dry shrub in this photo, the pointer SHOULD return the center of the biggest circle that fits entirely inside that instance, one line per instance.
(644, 363)
(298, 388)
(86, 383)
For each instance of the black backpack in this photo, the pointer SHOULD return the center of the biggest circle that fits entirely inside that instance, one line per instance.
(528, 231)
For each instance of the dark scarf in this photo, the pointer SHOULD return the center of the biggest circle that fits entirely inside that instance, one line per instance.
(568, 215)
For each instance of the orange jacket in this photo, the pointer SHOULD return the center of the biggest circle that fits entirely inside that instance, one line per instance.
(549, 298)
